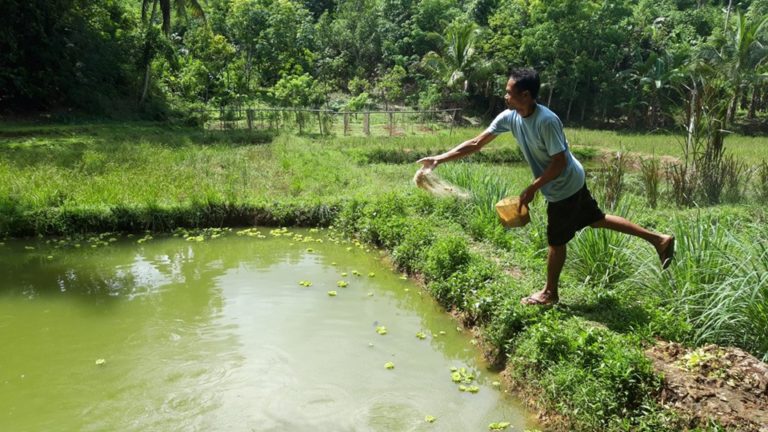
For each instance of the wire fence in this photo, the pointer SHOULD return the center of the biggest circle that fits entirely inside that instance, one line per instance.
(329, 122)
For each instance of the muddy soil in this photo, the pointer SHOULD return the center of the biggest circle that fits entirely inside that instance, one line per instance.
(727, 385)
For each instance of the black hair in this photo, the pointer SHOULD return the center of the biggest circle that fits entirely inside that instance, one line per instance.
(526, 79)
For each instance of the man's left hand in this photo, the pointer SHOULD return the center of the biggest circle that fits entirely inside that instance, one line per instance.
(526, 197)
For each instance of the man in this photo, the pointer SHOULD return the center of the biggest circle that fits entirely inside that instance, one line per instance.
(557, 173)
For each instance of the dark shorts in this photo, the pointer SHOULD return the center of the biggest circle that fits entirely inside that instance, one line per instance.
(566, 217)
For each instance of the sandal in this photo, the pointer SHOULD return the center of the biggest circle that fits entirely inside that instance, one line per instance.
(533, 301)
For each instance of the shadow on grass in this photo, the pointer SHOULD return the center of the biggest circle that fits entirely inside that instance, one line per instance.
(66, 146)
(609, 311)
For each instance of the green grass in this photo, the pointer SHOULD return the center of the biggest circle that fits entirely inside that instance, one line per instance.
(749, 149)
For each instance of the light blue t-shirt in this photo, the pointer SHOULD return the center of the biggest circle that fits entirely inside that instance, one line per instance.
(540, 136)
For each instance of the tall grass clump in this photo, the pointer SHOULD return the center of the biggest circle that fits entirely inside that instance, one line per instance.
(762, 181)
(737, 178)
(486, 188)
(718, 283)
(611, 181)
(650, 171)
(601, 257)
(683, 179)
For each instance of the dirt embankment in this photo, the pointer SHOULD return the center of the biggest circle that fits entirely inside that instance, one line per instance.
(724, 384)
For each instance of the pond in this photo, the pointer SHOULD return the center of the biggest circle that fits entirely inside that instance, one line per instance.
(234, 330)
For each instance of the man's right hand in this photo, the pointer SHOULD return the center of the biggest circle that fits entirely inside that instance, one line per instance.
(428, 163)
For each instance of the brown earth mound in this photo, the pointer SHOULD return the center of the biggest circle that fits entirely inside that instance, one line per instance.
(727, 385)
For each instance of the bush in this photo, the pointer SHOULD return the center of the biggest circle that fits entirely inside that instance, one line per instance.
(592, 375)
(446, 257)
(409, 254)
(464, 285)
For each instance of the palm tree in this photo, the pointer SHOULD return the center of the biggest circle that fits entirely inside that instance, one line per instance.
(459, 64)
(148, 16)
(651, 78)
(742, 54)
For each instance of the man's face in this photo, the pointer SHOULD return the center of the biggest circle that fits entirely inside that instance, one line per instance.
(514, 98)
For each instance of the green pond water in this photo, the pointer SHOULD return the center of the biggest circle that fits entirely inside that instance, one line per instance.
(119, 333)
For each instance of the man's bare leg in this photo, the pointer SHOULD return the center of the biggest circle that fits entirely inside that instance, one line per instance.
(555, 261)
(660, 242)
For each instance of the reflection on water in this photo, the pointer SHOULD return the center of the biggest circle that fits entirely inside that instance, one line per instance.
(219, 335)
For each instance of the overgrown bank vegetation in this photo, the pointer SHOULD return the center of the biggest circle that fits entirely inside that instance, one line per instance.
(584, 358)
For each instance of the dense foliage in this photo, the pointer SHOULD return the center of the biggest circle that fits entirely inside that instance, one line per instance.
(635, 64)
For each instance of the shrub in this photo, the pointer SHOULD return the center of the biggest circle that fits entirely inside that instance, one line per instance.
(464, 285)
(409, 254)
(593, 376)
(447, 256)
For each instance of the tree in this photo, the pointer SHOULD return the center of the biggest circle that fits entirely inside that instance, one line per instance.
(741, 54)
(391, 85)
(148, 16)
(66, 54)
(276, 37)
(458, 62)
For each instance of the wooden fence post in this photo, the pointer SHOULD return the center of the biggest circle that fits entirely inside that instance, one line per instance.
(367, 123)
(391, 123)
(346, 123)
(249, 115)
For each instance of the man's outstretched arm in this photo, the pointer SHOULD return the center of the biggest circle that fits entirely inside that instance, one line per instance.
(466, 148)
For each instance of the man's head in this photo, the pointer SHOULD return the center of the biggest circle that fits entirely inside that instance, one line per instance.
(522, 88)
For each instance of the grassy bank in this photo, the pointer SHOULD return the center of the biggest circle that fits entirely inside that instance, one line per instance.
(583, 359)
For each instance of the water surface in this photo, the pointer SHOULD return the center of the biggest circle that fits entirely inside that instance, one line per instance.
(160, 334)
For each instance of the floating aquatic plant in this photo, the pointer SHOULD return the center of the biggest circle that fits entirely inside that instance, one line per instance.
(371, 274)
(342, 284)
(498, 426)
(430, 419)
(305, 283)
(332, 293)
(461, 376)
(382, 330)
(100, 362)
(421, 335)
(389, 365)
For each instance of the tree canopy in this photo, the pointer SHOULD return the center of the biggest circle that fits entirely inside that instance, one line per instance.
(617, 63)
